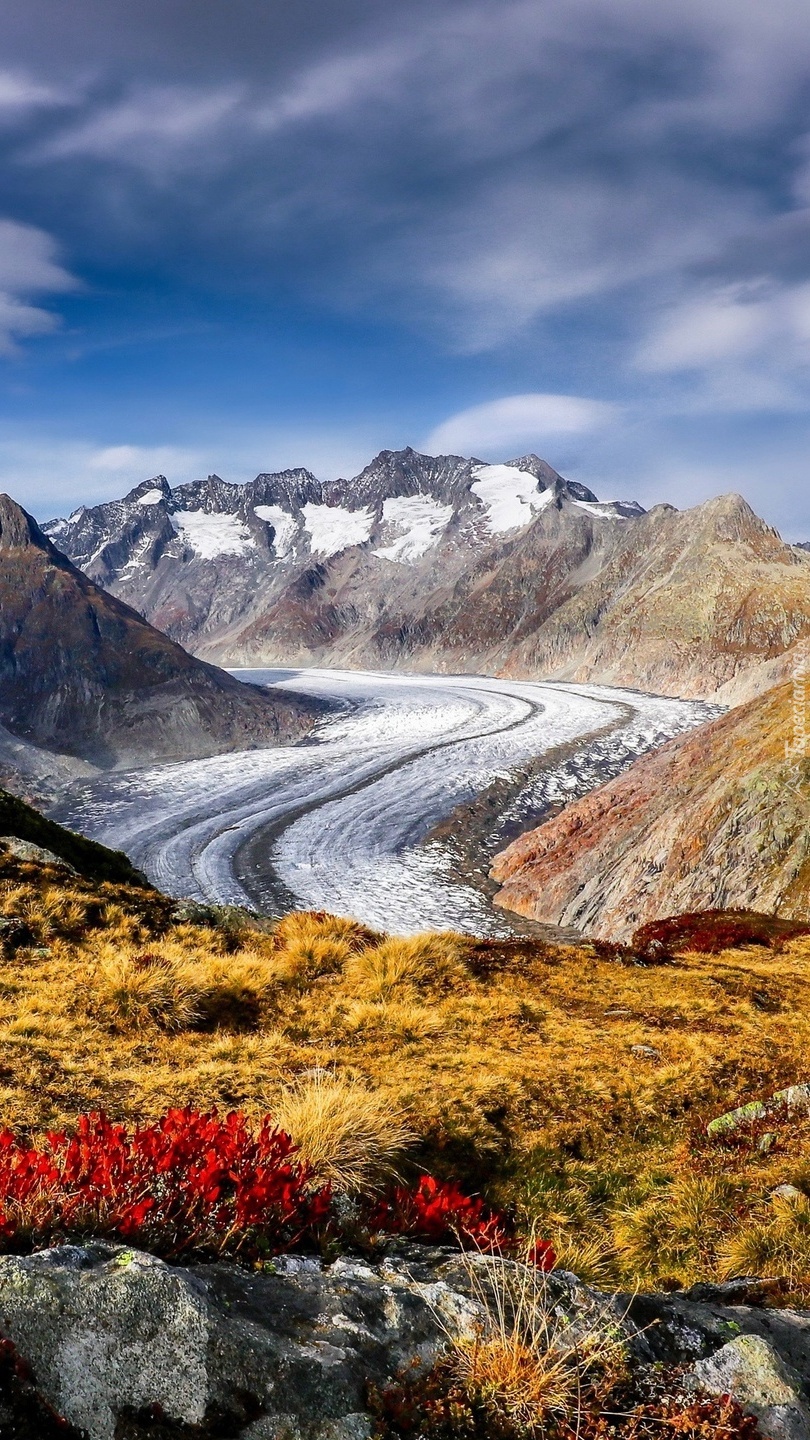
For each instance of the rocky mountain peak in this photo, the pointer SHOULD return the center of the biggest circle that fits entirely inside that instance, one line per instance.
(149, 492)
(18, 529)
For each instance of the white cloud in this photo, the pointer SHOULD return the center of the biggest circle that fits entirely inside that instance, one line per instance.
(19, 91)
(517, 422)
(29, 266)
(154, 127)
(51, 476)
(748, 345)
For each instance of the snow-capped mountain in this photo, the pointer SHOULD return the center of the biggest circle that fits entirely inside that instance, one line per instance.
(209, 562)
(441, 563)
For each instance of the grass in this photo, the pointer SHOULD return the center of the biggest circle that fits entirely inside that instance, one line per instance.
(351, 1136)
(512, 1065)
(528, 1363)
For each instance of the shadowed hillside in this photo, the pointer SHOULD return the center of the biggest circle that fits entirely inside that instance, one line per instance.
(83, 674)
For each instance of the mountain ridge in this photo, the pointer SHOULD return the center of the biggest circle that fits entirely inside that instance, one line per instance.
(714, 819)
(443, 563)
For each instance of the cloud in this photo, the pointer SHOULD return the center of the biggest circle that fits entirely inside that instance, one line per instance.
(517, 422)
(51, 475)
(29, 265)
(153, 127)
(744, 346)
(20, 92)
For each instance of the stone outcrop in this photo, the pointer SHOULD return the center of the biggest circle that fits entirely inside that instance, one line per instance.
(750, 1369)
(119, 1340)
(715, 819)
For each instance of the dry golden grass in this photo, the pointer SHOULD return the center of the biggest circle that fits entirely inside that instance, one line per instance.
(514, 1064)
(352, 1136)
(528, 1364)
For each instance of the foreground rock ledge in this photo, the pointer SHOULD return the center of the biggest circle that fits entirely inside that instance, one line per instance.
(111, 1333)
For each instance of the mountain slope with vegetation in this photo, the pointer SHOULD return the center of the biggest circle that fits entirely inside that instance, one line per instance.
(715, 818)
(83, 674)
(573, 1082)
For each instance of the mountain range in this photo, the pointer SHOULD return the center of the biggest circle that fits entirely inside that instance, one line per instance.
(83, 675)
(443, 563)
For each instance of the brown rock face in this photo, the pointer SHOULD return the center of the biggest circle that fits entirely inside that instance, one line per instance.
(716, 819)
(686, 601)
(83, 674)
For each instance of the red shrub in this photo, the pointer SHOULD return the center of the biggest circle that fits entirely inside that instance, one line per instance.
(189, 1183)
(198, 1184)
(437, 1210)
(709, 931)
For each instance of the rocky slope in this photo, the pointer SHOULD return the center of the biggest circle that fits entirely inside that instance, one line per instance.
(714, 819)
(82, 674)
(443, 563)
(123, 1345)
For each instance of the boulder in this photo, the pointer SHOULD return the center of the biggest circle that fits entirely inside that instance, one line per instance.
(26, 850)
(127, 1347)
(112, 1334)
(749, 1369)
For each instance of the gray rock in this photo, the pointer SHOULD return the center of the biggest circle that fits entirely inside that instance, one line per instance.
(751, 1372)
(109, 1331)
(26, 850)
(794, 1098)
(288, 1354)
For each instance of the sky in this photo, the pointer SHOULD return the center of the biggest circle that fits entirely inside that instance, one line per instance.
(239, 235)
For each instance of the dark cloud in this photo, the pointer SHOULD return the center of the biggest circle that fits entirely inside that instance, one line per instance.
(478, 172)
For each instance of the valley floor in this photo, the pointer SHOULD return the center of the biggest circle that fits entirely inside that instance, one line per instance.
(340, 823)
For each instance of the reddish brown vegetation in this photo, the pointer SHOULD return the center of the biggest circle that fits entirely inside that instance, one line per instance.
(707, 932)
(436, 1406)
(197, 1184)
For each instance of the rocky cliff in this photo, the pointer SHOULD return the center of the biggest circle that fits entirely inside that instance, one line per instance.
(444, 563)
(716, 818)
(83, 674)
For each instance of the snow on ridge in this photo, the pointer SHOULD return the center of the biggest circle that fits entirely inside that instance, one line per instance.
(511, 496)
(150, 497)
(421, 520)
(606, 511)
(332, 529)
(210, 536)
(284, 524)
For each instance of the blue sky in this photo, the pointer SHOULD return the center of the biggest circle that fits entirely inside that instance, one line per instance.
(242, 235)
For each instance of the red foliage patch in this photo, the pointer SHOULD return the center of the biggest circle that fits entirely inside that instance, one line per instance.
(188, 1184)
(709, 931)
(196, 1184)
(439, 1211)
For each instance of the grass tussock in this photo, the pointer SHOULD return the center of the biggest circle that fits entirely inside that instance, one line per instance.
(562, 1081)
(351, 1136)
(528, 1364)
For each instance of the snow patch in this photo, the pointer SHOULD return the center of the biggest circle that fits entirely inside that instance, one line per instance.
(151, 497)
(420, 519)
(284, 524)
(332, 529)
(510, 495)
(606, 512)
(210, 536)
